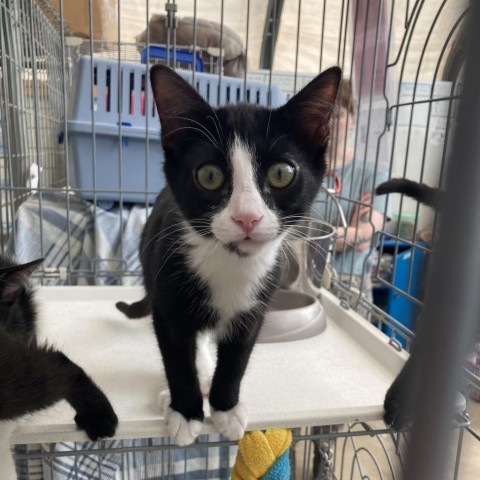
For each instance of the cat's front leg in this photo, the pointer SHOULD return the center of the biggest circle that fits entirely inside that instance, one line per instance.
(398, 403)
(228, 415)
(184, 414)
(94, 412)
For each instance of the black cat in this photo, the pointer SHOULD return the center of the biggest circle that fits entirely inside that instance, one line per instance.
(419, 191)
(398, 400)
(239, 179)
(34, 377)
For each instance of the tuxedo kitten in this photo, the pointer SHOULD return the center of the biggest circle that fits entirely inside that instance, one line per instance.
(34, 377)
(239, 179)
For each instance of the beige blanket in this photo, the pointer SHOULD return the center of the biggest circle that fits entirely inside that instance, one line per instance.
(208, 35)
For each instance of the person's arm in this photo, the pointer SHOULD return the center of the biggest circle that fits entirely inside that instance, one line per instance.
(359, 238)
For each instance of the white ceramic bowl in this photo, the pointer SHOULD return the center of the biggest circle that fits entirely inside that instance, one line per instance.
(292, 316)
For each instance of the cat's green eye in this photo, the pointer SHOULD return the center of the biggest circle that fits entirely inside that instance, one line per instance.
(210, 177)
(281, 175)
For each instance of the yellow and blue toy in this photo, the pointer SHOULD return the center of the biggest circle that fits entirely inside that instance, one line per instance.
(263, 455)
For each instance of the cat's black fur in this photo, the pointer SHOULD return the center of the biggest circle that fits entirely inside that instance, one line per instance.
(179, 300)
(430, 196)
(398, 400)
(34, 377)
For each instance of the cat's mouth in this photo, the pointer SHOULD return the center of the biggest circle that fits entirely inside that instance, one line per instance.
(234, 248)
(246, 246)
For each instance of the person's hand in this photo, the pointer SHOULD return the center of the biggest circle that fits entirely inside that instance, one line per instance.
(358, 234)
(362, 209)
(354, 238)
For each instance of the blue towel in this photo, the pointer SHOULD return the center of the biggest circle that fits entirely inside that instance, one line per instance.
(280, 470)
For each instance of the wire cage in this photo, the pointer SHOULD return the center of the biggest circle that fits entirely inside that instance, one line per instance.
(405, 62)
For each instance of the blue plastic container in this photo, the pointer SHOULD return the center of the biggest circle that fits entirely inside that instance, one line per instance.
(115, 150)
(181, 56)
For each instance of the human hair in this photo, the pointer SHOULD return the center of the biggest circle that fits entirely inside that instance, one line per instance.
(345, 95)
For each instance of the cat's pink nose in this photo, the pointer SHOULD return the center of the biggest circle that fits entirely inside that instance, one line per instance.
(247, 220)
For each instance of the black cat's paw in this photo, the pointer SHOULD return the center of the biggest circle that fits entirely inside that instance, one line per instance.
(98, 422)
(396, 412)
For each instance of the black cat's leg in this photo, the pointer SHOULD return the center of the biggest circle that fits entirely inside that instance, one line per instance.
(33, 378)
(228, 415)
(94, 413)
(185, 415)
(399, 398)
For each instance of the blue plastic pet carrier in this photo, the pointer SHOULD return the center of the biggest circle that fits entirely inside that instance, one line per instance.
(119, 154)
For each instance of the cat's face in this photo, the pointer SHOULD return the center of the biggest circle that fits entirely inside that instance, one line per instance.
(17, 312)
(242, 175)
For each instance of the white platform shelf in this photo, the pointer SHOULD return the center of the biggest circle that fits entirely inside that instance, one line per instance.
(339, 376)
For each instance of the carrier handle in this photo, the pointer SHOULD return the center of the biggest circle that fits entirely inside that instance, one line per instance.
(182, 55)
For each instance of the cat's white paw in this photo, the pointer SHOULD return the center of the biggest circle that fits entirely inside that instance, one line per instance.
(231, 423)
(182, 430)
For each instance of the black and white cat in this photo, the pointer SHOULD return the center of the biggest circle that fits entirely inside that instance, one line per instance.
(34, 377)
(239, 178)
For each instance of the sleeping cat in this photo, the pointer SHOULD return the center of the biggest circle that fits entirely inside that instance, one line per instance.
(398, 400)
(34, 377)
(239, 179)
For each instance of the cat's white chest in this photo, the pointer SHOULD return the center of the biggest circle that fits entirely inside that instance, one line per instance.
(233, 281)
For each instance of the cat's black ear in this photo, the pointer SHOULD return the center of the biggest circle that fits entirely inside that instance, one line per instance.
(178, 103)
(311, 108)
(12, 279)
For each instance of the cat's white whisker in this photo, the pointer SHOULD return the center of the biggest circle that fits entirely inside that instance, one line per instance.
(268, 125)
(216, 127)
(275, 142)
(171, 230)
(203, 128)
(174, 250)
(209, 137)
(218, 121)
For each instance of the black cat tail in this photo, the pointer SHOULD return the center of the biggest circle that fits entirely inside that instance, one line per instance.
(418, 191)
(137, 309)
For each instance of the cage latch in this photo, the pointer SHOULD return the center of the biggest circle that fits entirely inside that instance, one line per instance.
(171, 20)
(52, 272)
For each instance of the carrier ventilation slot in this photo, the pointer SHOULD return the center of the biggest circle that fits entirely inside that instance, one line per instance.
(95, 88)
(131, 86)
(143, 109)
(108, 80)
